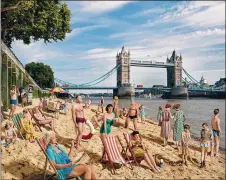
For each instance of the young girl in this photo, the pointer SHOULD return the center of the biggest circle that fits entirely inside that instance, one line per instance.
(10, 134)
(27, 127)
(205, 142)
(186, 137)
(159, 114)
(142, 113)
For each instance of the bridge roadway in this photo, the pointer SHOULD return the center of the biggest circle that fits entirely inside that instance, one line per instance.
(164, 89)
(151, 64)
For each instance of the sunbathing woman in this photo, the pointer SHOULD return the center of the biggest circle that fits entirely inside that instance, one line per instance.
(132, 115)
(140, 151)
(66, 168)
(42, 121)
(27, 127)
(108, 120)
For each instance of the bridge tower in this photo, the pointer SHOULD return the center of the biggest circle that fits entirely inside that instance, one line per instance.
(174, 74)
(125, 90)
(123, 72)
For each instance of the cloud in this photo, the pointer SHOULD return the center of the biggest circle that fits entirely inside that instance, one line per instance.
(146, 12)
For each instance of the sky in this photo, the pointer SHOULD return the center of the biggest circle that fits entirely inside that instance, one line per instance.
(151, 30)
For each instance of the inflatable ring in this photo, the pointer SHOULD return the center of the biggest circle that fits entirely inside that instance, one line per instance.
(92, 131)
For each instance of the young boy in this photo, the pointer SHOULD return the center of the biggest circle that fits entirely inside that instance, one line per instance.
(205, 143)
(215, 123)
(10, 134)
(186, 137)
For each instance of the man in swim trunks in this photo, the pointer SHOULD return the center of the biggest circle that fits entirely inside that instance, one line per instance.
(133, 113)
(215, 122)
(13, 101)
(78, 118)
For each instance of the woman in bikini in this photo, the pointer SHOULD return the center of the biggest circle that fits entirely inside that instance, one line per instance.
(108, 120)
(133, 113)
(140, 151)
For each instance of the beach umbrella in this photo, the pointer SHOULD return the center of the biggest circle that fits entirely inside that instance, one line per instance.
(57, 89)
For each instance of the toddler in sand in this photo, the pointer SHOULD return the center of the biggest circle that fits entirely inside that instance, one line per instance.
(186, 137)
(205, 142)
(10, 134)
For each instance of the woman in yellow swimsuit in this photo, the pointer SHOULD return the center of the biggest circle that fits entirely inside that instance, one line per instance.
(139, 150)
(27, 127)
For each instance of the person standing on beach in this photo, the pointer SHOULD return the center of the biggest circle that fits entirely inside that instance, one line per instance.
(142, 113)
(115, 106)
(205, 142)
(178, 125)
(13, 101)
(78, 118)
(165, 124)
(159, 115)
(133, 113)
(102, 104)
(186, 137)
(215, 122)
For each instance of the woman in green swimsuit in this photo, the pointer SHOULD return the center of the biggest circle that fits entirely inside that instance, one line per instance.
(108, 120)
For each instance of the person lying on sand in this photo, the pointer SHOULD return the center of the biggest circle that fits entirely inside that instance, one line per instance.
(66, 168)
(139, 150)
(10, 134)
(41, 120)
(96, 119)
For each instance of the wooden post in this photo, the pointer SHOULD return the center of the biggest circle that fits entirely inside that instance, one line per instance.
(5, 86)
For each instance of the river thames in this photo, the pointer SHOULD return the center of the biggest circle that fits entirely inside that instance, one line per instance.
(197, 111)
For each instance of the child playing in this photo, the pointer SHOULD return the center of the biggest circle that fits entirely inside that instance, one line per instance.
(159, 114)
(58, 109)
(142, 113)
(205, 142)
(10, 134)
(27, 127)
(186, 137)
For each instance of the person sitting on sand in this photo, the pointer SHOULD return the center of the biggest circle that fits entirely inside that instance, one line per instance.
(27, 127)
(133, 113)
(96, 119)
(41, 120)
(123, 113)
(10, 134)
(186, 137)
(140, 151)
(215, 122)
(66, 168)
(109, 119)
(205, 142)
(165, 124)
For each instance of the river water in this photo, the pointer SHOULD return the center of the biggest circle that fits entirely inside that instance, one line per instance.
(197, 111)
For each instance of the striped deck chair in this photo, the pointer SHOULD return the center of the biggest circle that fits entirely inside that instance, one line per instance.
(42, 144)
(36, 121)
(17, 122)
(128, 138)
(111, 151)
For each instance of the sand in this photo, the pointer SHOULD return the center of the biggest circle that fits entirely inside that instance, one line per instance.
(24, 160)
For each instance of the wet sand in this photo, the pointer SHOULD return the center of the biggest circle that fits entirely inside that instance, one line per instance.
(24, 160)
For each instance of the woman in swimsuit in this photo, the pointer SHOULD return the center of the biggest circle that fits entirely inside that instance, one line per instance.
(108, 120)
(140, 151)
(13, 101)
(133, 113)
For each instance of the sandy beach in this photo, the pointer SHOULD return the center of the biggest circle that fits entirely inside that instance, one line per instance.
(24, 160)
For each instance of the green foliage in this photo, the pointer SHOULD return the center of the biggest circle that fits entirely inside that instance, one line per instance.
(41, 73)
(35, 20)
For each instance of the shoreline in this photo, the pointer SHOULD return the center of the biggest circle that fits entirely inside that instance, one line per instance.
(24, 160)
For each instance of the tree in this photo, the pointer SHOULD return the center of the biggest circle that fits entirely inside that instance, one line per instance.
(34, 20)
(41, 73)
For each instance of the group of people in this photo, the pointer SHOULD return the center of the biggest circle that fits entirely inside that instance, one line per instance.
(209, 140)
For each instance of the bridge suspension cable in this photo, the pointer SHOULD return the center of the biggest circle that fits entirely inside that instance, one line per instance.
(190, 77)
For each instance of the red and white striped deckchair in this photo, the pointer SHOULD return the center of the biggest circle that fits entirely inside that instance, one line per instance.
(128, 139)
(111, 151)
